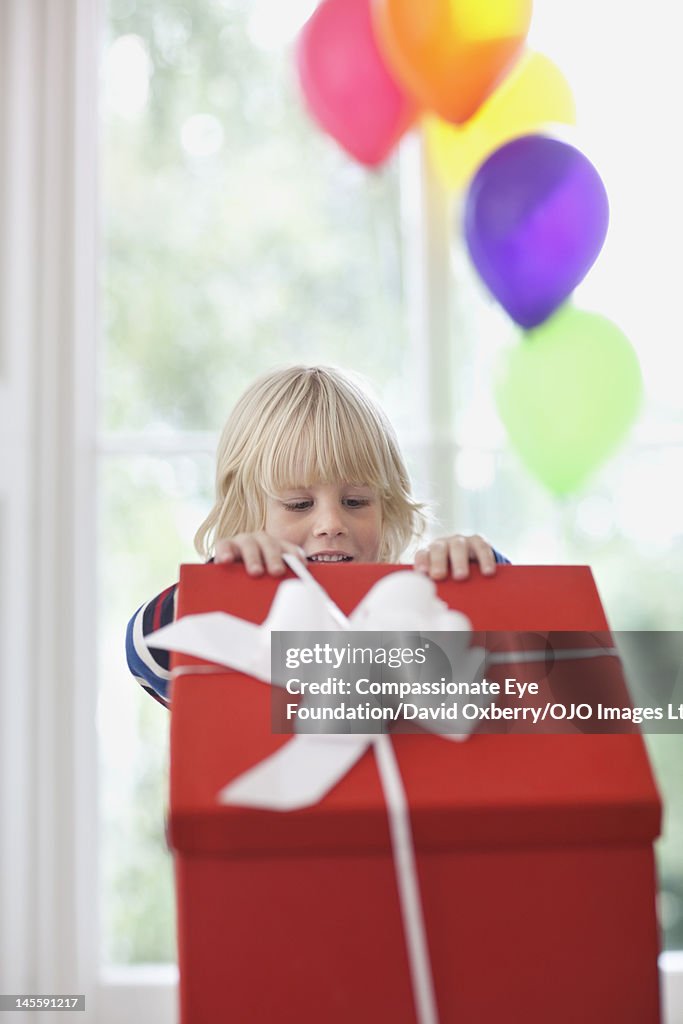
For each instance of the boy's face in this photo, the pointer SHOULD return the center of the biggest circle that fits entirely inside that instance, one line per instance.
(331, 522)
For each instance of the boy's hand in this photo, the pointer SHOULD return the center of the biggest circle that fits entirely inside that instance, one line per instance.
(259, 551)
(453, 555)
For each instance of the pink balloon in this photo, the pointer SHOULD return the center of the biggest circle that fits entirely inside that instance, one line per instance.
(347, 86)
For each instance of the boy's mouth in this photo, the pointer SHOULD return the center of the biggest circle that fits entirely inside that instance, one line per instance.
(330, 556)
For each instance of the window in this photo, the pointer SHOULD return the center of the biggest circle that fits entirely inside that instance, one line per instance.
(238, 237)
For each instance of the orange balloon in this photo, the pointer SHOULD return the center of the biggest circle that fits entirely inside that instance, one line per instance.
(451, 54)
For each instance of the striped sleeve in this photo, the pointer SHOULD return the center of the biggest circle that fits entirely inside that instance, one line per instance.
(150, 665)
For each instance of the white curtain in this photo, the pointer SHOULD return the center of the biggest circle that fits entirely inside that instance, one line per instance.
(48, 215)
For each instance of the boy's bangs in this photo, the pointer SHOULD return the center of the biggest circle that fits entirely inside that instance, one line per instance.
(321, 454)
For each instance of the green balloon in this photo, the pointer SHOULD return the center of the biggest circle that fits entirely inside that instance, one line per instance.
(568, 395)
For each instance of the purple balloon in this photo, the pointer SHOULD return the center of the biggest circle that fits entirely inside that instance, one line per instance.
(536, 217)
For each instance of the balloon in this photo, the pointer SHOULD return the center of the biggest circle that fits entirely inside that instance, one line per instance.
(567, 395)
(451, 53)
(536, 216)
(345, 81)
(535, 93)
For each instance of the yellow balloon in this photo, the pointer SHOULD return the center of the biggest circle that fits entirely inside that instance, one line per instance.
(472, 19)
(534, 94)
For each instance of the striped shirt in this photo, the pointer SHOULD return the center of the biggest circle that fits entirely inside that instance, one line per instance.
(150, 665)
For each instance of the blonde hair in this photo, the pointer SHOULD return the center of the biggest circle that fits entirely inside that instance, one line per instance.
(308, 424)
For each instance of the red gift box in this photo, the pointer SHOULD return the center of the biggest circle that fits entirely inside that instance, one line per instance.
(534, 852)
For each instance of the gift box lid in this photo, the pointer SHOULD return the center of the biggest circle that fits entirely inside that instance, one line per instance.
(488, 791)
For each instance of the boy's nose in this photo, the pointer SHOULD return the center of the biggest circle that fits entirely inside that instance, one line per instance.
(330, 523)
(329, 529)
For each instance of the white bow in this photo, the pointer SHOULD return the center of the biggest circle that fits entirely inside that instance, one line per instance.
(303, 771)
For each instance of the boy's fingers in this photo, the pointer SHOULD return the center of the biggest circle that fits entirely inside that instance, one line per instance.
(251, 554)
(271, 550)
(459, 557)
(259, 551)
(483, 554)
(224, 551)
(455, 553)
(421, 563)
(438, 559)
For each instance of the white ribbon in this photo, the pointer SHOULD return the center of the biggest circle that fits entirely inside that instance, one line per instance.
(304, 770)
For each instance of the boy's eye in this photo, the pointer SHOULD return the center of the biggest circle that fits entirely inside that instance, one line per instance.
(297, 506)
(357, 502)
